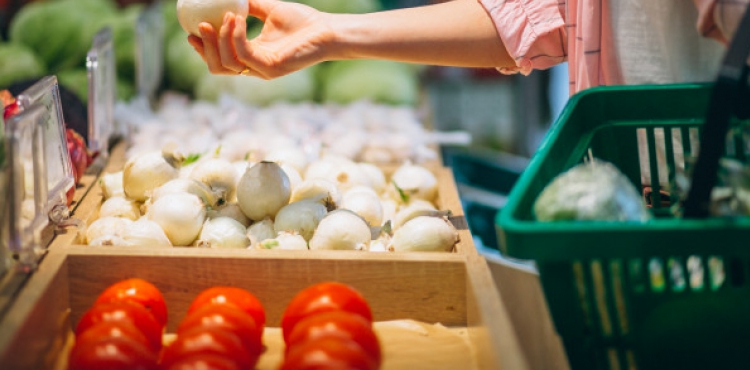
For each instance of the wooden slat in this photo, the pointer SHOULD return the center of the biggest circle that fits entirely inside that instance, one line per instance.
(522, 295)
(427, 290)
(489, 325)
(35, 328)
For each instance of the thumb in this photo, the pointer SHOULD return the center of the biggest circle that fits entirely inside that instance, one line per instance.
(260, 8)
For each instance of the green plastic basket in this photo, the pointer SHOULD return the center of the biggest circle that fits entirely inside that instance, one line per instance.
(666, 294)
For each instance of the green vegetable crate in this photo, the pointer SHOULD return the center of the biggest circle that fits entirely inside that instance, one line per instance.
(670, 293)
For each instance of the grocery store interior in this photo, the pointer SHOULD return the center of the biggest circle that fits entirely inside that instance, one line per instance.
(357, 214)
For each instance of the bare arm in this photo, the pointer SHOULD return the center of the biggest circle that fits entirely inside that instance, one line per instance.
(454, 33)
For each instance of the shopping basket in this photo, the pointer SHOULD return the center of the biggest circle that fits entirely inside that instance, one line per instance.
(669, 293)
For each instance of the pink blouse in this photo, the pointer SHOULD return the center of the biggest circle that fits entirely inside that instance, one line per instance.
(541, 33)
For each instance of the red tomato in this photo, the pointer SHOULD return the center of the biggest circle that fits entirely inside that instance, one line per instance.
(328, 353)
(208, 340)
(139, 291)
(112, 353)
(229, 318)
(339, 324)
(204, 362)
(127, 311)
(323, 297)
(108, 329)
(239, 297)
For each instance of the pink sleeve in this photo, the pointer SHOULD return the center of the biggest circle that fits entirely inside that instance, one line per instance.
(533, 32)
(718, 19)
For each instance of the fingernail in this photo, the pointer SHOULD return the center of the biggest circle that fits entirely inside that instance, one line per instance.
(227, 17)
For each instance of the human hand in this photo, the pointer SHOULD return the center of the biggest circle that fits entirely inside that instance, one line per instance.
(294, 36)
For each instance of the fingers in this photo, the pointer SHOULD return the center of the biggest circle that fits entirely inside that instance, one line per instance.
(240, 45)
(227, 53)
(197, 44)
(260, 8)
(211, 52)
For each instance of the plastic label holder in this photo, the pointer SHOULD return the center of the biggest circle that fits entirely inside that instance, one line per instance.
(100, 66)
(26, 208)
(57, 178)
(149, 57)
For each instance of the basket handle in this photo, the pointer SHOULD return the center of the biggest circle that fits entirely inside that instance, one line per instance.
(727, 97)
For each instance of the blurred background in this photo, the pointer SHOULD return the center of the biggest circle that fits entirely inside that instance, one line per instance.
(505, 115)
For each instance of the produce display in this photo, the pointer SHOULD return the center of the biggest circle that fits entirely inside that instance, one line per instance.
(290, 176)
(325, 325)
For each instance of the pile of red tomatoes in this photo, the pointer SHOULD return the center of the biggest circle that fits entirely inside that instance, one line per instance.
(326, 326)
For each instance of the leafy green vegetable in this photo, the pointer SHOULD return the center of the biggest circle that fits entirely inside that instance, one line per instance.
(60, 32)
(184, 67)
(17, 63)
(375, 80)
(294, 87)
(77, 81)
(344, 6)
(591, 191)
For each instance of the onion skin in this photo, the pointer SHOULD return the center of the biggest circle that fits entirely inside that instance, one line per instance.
(301, 217)
(425, 234)
(180, 215)
(190, 13)
(341, 229)
(144, 173)
(263, 190)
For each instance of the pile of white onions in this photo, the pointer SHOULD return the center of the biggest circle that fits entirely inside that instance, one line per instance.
(298, 203)
(286, 176)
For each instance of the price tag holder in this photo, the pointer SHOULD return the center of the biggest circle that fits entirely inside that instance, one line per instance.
(102, 79)
(57, 176)
(4, 197)
(27, 183)
(149, 43)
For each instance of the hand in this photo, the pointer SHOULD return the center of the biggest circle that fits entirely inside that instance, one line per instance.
(294, 36)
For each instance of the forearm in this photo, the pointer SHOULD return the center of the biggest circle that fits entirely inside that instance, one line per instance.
(455, 33)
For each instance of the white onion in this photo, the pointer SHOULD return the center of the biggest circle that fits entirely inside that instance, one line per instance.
(211, 198)
(343, 230)
(415, 208)
(190, 13)
(111, 184)
(425, 234)
(180, 215)
(301, 217)
(146, 233)
(292, 156)
(366, 204)
(320, 190)
(414, 181)
(261, 230)
(285, 241)
(119, 206)
(146, 172)
(263, 190)
(223, 232)
(375, 175)
(294, 177)
(107, 241)
(104, 226)
(218, 173)
(229, 210)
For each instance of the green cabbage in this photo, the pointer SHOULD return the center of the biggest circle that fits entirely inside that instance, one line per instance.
(77, 81)
(183, 66)
(344, 6)
(17, 63)
(294, 87)
(591, 191)
(59, 31)
(375, 80)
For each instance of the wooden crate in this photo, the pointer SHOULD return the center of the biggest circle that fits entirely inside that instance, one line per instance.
(448, 199)
(461, 321)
